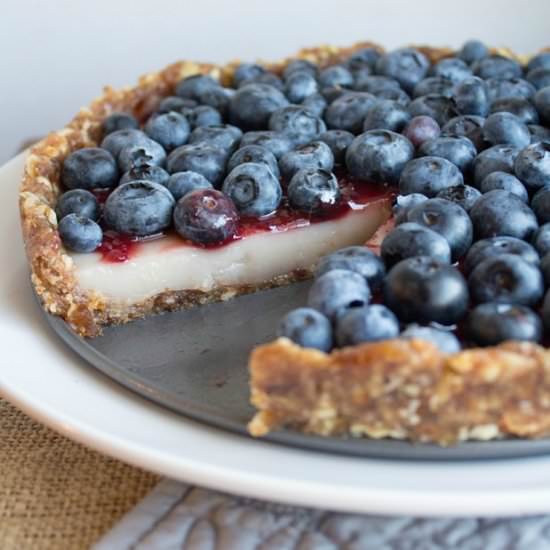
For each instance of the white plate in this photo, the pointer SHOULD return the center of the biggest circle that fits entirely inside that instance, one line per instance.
(51, 384)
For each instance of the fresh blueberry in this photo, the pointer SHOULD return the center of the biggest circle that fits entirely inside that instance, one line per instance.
(315, 104)
(471, 97)
(542, 103)
(218, 98)
(170, 129)
(338, 290)
(79, 233)
(424, 290)
(499, 88)
(181, 183)
(338, 141)
(532, 165)
(307, 328)
(333, 93)
(139, 208)
(500, 212)
(149, 152)
(541, 239)
(203, 115)
(266, 78)
(254, 153)
(300, 65)
(206, 216)
(468, 126)
(463, 195)
(541, 60)
(204, 159)
(376, 84)
(540, 203)
(299, 85)
(458, 150)
(312, 190)
(253, 104)
(225, 137)
(89, 168)
(496, 246)
(298, 122)
(336, 75)
(348, 111)
(386, 115)
(379, 156)
(358, 259)
(518, 106)
(490, 324)
(403, 203)
(176, 104)
(394, 94)
(118, 121)
(77, 201)
(192, 86)
(508, 182)
(429, 175)
(420, 129)
(545, 269)
(538, 133)
(121, 139)
(497, 66)
(539, 78)
(148, 172)
(473, 50)
(412, 239)
(316, 154)
(436, 106)
(499, 158)
(434, 85)
(247, 71)
(449, 220)
(506, 128)
(451, 68)
(363, 58)
(546, 311)
(253, 188)
(506, 278)
(366, 324)
(276, 142)
(407, 65)
(443, 340)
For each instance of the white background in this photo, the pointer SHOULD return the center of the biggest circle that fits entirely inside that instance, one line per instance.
(55, 55)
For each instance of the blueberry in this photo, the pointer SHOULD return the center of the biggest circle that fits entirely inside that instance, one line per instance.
(204, 159)
(77, 201)
(463, 195)
(139, 208)
(266, 78)
(170, 129)
(192, 86)
(451, 68)
(424, 290)
(532, 165)
(434, 85)
(448, 219)
(540, 203)
(406, 65)
(386, 115)
(443, 340)
(176, 104)
(499, 158)
(496, 246)
(497, 66)
(506, 128)
(429, 175)
(379, 156)
(499, 88)
(254, 153)
(471, 97)
(538, 133)
(403, 203)
(247, 71)
(412, 239)
(312, 190)
(79, 233)
(348, 111)
(518, 106)
(337, 290)
(204, 115)
(316, 154)
(436, 106)
(299, 85)
(468, 126)
(355, 258)
(502, 213)
(541, 239)
(118, 121)
(420, 129)
(120, 139)
(506, 278)
(225, 137)
(539, 78)
(458, 150)
(89, 168)
(336, 75)
(276, 142)
(508, 182)
(182, 183)
(149, 152)
(366, 324)
(542, 103)
(364, 58)
(206, 217)
(338, 141)
(307, 328)
(299, 123)
(545, 270)
(490, 324)
(253, 188)
(253, 104)
(300, 65)
(217, 98)
(315, 104)
(541, 60)
(473, 50)
(398, 95)
(376, 84)
(145, 172)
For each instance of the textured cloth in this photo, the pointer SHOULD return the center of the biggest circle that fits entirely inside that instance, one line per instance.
(55, 493)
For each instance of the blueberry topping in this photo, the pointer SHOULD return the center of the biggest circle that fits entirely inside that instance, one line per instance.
(118, 121)
(77, 201)
(539, 78)
(540, 203)
(148, 172)
(276, 142)
(298, 122)
(508, 182)
(404, 203)
(366, 324)
(192, 86)
(315, 104)
(541, 239)
(451, 68)
(443, 340)
(506, 128)
(518, 106)
(376, 84)
(538, 133)
(300, 65)
(363, 58)
(299, 85)
(181, 183)
(89, 168)
(532, 165)
(434, 85)
(468, 126)
(79, 233)
(436, 106)
(170, 129)
(458, 150)
(247, 71)
(471, 97)
(499, 88)
(463, 195)
(338, 141)
(224, 136)
(312, 190)
(316, 154)
(307, 328)
(176, 104)
(149, 152)
(121, 139)
(336, 75)
(421, 129)
(473, 50)
(254, 153)
(348, 111)
(406, 65)
(202, 158)
(497, 66)
(499, 158)
(429, 176)
(386, 115)
(203, 115)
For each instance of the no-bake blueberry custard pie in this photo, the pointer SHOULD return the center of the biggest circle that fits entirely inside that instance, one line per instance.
(412, 186)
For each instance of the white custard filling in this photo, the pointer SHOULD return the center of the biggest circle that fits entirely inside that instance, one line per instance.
(167, 264)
